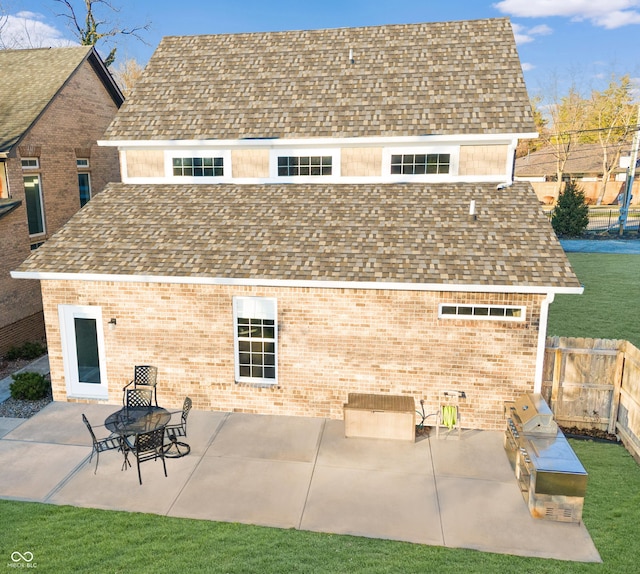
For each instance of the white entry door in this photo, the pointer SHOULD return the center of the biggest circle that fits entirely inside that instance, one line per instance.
(83, 351)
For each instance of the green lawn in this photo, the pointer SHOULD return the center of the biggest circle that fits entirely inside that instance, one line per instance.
(67, 539)
(609, 308)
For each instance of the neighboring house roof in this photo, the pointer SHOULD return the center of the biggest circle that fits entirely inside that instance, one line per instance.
(389, 233)
(32, 78)
(449, 78)
(582, 159)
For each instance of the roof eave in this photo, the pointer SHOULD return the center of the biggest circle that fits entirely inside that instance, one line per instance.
(301, 283)
(461, 138)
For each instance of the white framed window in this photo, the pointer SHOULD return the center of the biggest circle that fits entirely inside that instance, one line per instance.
(197, 166)
(30, 163)
(82, 162)
(298, 165)
(255, 340)
(482, 312)
(4, 182)
(33, 200)
(420, 163)
(84, 187)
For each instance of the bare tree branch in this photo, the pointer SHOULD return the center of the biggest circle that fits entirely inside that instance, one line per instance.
(93, 28)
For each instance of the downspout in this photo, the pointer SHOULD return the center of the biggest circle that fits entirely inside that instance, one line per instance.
(542, 341)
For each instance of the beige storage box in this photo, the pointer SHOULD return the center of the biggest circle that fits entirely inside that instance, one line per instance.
(380, 416)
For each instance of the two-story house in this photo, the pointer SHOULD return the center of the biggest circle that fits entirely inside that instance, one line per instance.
(54, 106)
(307, 214)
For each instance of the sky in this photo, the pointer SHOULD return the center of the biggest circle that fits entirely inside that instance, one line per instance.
(560, 42)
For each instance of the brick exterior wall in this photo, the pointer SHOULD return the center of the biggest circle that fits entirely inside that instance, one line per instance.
(74, 121)
(145, 163)
(482, 159)
(331, 342)
(361, 162)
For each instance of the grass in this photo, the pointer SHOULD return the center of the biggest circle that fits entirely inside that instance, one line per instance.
(68, 539)
(610, 304)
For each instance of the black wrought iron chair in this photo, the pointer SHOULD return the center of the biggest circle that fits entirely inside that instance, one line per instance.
(111, 442)
(145, 376)
(138, 397)
(176, 449)
(148, 446)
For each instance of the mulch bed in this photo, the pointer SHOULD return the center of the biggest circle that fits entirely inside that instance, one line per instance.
(589, 434)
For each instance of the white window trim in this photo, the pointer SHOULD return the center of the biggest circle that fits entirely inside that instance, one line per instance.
(454, 162)
(265, 313)
(171, 153)
(36, 159)
(522, 308)
(76, 389)
(84, 165)
(88, 174)
(334, 153)
(5, 192)
(44, 220)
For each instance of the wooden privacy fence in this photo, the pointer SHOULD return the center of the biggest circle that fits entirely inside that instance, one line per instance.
(594, 383)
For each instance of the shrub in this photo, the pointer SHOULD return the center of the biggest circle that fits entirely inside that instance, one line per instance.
(571, 214)
(27, 351)
(29, 386)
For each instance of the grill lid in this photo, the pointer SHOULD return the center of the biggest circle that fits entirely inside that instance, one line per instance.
(532, 414)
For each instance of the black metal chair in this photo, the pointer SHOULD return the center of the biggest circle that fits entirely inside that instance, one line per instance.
(143, 376)
(176, 449)
(138, 397)
(148, 446)
(111, 442)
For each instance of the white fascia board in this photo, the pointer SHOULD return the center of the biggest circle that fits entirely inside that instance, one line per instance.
(269, 143)
(308, 284)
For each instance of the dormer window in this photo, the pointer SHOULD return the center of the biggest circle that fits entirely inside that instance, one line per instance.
(304, 165)
(198, 166)
(420, 164)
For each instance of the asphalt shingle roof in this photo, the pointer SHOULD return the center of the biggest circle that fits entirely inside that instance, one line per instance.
(400, 233)
(406, 80)
(30, 80)
(583, 158)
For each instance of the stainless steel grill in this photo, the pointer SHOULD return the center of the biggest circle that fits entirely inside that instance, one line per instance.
(551, 478)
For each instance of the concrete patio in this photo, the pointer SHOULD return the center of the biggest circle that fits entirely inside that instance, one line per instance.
(290, 472)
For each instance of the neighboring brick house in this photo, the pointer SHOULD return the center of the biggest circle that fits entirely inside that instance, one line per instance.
(584, 165)
(54, 106)
(308, 214)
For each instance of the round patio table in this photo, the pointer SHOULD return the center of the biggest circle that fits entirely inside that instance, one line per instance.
(135, 420)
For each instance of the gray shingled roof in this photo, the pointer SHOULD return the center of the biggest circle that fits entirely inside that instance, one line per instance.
(30, 80)
(406, 80)
(399, 233)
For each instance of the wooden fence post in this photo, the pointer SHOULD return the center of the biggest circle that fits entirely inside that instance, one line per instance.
(557, 376)
(617, 386)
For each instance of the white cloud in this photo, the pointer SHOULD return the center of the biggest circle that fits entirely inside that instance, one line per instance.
(605, 13)
(29, 30)
(525, 35)
(526, 67)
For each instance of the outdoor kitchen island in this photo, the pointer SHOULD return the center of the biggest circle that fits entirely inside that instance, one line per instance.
(551, 478)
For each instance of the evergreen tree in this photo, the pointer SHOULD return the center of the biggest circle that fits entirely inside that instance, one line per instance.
(571, 214)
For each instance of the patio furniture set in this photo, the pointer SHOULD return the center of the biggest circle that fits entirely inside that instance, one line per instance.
(141, 427)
